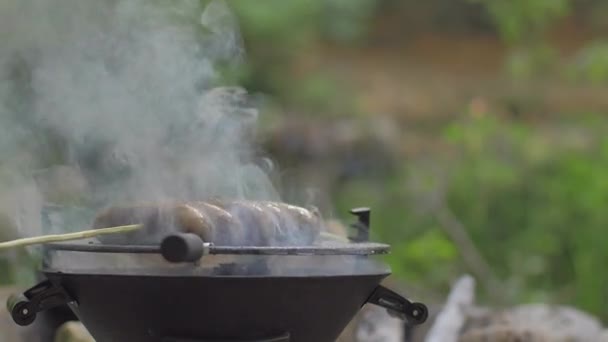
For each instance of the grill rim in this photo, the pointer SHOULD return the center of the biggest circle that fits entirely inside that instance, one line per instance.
(362, 248)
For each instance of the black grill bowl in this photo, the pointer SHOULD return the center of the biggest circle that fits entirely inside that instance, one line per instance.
(255, 294)
(123, 308)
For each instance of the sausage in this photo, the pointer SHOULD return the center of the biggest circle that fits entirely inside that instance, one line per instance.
(155, 218)
(222, 222)
(300, 226)
(210, 222)
(257, 224)
(274, 223)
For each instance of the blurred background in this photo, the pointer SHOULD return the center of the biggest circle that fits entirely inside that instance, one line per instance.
(474, 129)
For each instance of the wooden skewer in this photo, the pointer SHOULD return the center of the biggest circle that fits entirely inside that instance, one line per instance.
(67, 237)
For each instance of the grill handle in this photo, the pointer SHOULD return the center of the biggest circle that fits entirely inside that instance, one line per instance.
(182, 247)
(398, 306)
(44, 296)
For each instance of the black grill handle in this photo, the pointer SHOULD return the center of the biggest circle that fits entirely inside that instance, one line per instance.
(398, 306)
(44, 296)
(182, 247)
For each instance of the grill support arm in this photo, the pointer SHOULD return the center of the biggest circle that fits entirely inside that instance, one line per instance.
(398, 306)
(44, 296)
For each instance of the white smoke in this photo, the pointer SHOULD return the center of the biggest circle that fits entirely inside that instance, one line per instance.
(124, 88)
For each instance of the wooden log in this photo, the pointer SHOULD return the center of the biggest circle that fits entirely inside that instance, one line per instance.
(452, 318)
(73, 332)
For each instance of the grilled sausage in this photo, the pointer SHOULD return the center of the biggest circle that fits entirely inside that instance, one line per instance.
(258, 224)
(156, 219)
(303, 226)
(210, 222)
(223, 222)
(274, 223)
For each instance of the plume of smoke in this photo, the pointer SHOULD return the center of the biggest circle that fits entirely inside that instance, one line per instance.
(121, 90)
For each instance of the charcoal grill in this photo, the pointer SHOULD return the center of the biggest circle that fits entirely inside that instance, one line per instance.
(186, 290)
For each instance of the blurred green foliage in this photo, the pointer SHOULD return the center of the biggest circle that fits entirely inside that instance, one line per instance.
(523, 20)
(591, 63)
(531, 199)
(291, 23)
(526, 63)
(523, 25)
(278, 32)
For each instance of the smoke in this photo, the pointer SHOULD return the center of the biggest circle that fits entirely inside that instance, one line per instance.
(121, 91)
